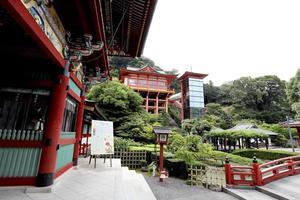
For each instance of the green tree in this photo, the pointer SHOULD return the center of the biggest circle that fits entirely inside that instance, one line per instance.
(211, 93)
(196, 126)
(293, 93)
(262, 98)
(138, 126)
(116, 100)
(142, 61)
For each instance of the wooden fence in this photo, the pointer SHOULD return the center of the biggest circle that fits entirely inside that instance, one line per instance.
(209, 177)
(131, 158)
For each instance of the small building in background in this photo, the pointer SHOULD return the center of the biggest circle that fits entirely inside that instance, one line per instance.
(152, 84)
(192, 95)
(252, 127)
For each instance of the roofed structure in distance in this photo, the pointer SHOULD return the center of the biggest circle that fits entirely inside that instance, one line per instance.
(253, 127)
(152, 84)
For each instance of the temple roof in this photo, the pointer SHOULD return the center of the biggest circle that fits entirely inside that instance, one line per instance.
(192, 75)
(146, 70)
(127, 23)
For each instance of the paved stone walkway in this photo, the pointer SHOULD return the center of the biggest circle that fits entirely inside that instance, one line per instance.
(87, 183)
(176, 189)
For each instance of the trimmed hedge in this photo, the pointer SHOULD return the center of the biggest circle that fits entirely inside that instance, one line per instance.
(234, 159)
(263, 154)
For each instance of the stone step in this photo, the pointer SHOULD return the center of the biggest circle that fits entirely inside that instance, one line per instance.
(143, 190)
(275, 193)
(132, 186)
(245, 194)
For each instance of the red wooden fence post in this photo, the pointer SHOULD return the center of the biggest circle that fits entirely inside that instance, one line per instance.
(291, 166)
(257, 173)
(228, 173)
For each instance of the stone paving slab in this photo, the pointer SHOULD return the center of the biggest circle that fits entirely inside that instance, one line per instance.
(246, 194)
(289, 186)
(86, 182)
(177, 189)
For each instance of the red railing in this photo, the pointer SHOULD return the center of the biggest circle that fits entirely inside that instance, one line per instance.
(261, 174)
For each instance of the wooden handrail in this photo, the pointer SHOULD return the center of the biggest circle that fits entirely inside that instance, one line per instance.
(279, 169)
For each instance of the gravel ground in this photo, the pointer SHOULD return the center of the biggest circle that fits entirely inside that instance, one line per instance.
(176, 189)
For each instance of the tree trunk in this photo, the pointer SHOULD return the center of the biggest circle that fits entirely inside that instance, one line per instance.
(256, 141)
(247, 143)
(221, 143)
(239, 143)
(267, 143)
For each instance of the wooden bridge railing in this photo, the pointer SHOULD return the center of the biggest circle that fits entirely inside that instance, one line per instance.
(261, 174)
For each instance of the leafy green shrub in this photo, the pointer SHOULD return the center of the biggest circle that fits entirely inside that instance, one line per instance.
(188, 157)
(121, 143)
(192, 142)
(281, 140)
(234, 159)
(263, 154)
(278, 129)
(176, 141)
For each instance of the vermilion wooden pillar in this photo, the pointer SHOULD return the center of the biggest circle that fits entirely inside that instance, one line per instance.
(79, 122)
(298, 132)
(167, 103)
(182, 100)
(52, 131)
(147, 102)
(156, 104)
(161, 159)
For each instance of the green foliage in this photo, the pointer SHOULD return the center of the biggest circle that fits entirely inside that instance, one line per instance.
(261, 98)
(281, 140)
(122, 105)
(138, 126)
(121, 143)
(188, 157)
(196, 126)
(175, 84)
(263, 154)
(176, 142)
(211, 93)
(189, 148)
(192, 143)
(166, 120)
(234, 159)
(278, 129)
(236, 134)
(142, 61)
(138, 62)
(114, 72)
(174, 113)
(117, 62)
(116, 98)
(218, 116)
(293, 92)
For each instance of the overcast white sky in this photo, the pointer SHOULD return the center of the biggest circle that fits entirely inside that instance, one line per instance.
(226, 38)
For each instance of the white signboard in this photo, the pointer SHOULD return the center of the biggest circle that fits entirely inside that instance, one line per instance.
(102, 139)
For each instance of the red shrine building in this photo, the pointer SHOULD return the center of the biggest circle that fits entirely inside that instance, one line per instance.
(152, 84)
(51, 52)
